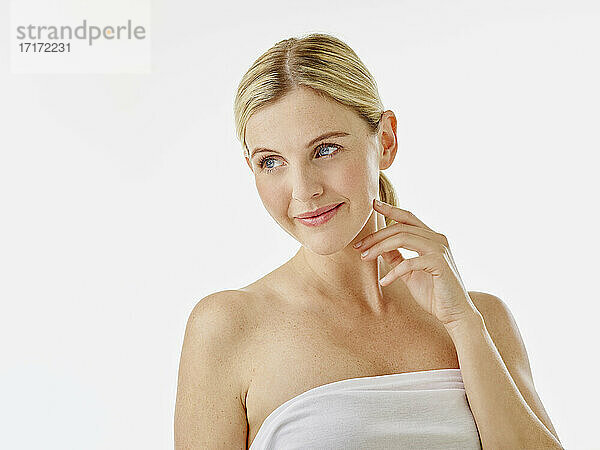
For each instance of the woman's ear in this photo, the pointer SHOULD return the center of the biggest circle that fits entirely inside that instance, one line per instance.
(387, 138)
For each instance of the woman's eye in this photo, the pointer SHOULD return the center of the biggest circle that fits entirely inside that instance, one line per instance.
(264, 162)
(322, 146)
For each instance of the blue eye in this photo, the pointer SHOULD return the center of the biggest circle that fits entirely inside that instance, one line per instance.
(261, 163)
(265, 159)
(327, 146)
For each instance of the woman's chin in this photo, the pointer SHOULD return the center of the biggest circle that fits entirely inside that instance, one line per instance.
(325, 246)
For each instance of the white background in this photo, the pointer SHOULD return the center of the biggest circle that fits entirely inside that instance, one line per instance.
(125, 198)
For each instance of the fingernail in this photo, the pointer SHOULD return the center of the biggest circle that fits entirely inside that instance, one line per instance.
(358, 244)
(364, 253)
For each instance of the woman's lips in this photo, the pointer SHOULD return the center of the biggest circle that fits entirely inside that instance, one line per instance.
(320, 219)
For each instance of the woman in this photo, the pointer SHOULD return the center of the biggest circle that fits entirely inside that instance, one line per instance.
(337, 348)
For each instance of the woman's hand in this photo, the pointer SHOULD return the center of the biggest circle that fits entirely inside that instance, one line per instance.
(431, 277)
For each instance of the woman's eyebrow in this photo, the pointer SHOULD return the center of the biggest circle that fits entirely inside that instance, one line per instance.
(310, 144)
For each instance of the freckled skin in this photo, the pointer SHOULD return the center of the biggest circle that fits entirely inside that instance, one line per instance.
(303, 179)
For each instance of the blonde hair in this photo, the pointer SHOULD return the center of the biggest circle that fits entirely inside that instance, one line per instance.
(321, 62)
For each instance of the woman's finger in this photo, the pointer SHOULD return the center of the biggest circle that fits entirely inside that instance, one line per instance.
(398, 214)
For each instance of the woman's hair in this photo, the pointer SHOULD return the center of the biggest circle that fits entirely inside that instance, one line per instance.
(321, 62)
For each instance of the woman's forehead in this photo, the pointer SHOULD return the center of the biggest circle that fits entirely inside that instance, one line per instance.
(298, 120)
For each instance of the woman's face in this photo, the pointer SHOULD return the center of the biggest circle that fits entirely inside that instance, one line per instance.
(298, 175)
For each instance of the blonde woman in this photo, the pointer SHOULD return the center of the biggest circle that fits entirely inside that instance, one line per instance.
(338, 348)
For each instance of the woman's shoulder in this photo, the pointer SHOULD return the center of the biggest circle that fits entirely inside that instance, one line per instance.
(221, 311)
(226, 307)
(221, 300)
(231, 311)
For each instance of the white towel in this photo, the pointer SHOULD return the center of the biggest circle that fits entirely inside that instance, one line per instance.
(411, 410)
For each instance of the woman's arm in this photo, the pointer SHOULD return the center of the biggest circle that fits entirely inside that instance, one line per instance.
(209, 411)
(498, 382)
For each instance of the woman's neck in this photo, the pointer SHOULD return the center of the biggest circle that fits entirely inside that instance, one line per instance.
(343, 278)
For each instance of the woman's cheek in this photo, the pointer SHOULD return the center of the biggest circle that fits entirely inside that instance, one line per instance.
(273, 199)
(352, 179)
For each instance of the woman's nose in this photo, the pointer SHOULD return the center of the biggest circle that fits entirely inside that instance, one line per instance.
(306, 184)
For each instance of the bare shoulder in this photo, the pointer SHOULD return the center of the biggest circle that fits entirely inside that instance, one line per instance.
(211, 385)
(504, 331)
(224, 319)
(485, 299)
(224, 312)
(229, 319)
(489, 305)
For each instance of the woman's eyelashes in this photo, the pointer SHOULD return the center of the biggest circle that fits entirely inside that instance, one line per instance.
(265, 159)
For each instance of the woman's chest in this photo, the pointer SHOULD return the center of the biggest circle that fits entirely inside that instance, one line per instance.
(290, 356)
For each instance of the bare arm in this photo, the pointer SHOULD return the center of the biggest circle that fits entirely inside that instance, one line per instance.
(497, 378)
(209, 411)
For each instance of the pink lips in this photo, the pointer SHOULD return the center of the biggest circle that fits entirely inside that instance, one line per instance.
(321, 218)
(316, 212)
